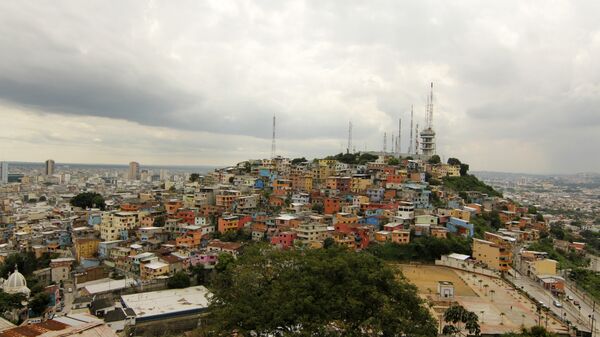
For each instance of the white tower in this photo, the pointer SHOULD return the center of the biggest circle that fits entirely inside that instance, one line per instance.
(428, 135)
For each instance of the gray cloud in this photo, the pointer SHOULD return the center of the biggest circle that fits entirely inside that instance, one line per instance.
(505, 71)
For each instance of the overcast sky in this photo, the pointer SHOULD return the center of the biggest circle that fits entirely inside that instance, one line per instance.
(517, 83)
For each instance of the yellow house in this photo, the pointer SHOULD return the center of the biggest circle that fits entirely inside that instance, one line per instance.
(543, 267)
(86, 248)
(360, 184)
(154, 269)
(401, 236)
(308, 183)
(496, 256)
(114, 223)
(461, 214)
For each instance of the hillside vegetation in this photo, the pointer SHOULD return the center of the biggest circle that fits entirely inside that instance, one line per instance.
(468, 183)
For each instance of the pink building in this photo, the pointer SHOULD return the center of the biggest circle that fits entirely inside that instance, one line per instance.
(206, 259)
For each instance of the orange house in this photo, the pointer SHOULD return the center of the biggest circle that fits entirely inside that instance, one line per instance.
(281, 186)
(228, 223)
(276, 201)
(394, 179)
(173, 205)
(389, 194)
(331, 205)
(129, 207)
(190, 239)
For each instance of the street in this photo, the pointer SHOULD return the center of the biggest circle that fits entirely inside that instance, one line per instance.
(568, 311)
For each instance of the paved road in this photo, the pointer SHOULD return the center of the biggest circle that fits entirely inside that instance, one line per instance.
(586, 309)
(568, 311)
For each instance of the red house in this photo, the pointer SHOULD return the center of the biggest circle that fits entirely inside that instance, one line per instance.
(284, 240)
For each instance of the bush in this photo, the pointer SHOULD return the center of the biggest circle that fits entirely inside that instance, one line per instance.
(179, 280)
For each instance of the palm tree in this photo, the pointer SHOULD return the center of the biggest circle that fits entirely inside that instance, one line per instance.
(486, 286)
(502, 318)
(492, 292)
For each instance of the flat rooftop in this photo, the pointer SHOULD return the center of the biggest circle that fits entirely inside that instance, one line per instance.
(165, 302)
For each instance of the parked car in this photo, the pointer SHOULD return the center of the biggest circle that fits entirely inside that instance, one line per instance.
(569, 298)
(557, 303)
(576, 303)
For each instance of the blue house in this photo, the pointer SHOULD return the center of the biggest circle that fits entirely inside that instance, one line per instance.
(375, 194)
(460, 227)
(259, 184)
(94, 219)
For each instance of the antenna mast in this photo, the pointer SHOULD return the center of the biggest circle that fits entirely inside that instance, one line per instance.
(349, 148)
(410, 140)
(398, 140)
(273, 141)
(430, 109)
(417, 139)
(384, 142)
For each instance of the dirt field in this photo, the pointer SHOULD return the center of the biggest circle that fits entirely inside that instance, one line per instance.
(426, 278)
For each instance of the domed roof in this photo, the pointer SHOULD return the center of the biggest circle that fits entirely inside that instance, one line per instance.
(16, 283)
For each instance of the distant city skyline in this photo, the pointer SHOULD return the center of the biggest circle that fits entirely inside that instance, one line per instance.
(516, 84)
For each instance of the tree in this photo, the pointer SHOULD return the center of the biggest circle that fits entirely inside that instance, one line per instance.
(159, 221)
(9, 302)
(453, 161)
(88, 200)
(39, 303)
(393, 161)
(464, 169)
(179, 280)
(318, 208)
(457, 315)
(194, 177)
(328, 242)
(435, 159)
(324, 292)
(297, 161)
(26, 262)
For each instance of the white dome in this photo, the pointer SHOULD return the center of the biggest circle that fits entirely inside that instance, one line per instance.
(16, 283)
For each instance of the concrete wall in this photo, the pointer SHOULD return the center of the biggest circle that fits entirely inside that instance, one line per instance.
(466, 266)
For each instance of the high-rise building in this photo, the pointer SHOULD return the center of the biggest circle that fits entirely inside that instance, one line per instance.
(134, 171)
(3, 172)
(49, 167)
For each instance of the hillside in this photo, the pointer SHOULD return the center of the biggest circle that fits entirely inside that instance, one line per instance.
(467, 183)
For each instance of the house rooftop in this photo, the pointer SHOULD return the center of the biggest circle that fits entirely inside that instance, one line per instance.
(165, 302)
